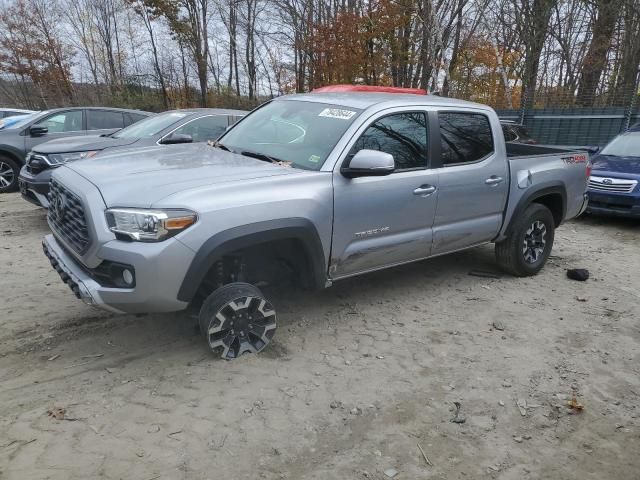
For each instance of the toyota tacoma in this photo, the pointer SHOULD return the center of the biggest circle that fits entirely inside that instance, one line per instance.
(309, 188)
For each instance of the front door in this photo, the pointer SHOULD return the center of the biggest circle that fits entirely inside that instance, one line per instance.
(473, 182)
(383, 221)
(60, 124)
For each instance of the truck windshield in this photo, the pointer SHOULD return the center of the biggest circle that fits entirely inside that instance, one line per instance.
(150, 126)
(627, 145)
(299, 132)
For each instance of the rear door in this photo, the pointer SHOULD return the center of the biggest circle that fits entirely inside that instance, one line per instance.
(100, 122)
(382, 221)
(473, 181)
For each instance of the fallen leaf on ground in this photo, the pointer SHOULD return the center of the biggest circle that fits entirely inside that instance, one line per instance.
(57, 412)
(574, 404)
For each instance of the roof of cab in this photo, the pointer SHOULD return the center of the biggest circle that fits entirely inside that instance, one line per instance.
(364, 100)
(209, 111)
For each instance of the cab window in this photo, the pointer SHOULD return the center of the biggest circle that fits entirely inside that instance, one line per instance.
(465, 137)
(63, 122)
(204, 128)
(403, 135)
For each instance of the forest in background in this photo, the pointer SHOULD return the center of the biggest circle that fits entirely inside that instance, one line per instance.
(160, 54)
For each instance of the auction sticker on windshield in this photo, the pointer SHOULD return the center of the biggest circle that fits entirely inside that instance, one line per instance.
(337, 113)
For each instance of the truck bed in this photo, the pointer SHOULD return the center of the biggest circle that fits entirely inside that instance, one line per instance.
(548, 168)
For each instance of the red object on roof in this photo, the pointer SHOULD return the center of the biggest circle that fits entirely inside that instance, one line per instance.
(368, 88)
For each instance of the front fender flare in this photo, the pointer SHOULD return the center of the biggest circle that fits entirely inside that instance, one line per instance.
(249, 235)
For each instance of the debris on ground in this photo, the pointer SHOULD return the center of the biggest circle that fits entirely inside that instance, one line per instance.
(582, 299)
(574, 404)
(51, 359)
(57, 412)
(484, 274)
(518, 439)
(498, 325)
(457, 418)
(424, 455)
(522, 406)
(390, 472)
(579, 274)
(335, 404)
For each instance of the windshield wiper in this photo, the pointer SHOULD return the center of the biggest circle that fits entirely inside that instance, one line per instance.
(263, 156)
(219, 145)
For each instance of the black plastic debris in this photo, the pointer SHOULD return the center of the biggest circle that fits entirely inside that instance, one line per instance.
(579, 274)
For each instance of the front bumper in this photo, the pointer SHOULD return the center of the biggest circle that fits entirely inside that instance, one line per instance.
(623, 205)
(35, 188)
(159, 271)
(79, 281)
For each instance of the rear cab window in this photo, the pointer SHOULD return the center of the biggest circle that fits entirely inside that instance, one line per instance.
(465, 137)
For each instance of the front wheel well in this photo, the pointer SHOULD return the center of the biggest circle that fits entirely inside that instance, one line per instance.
(12, 156)
(555, 203)
(278, 262)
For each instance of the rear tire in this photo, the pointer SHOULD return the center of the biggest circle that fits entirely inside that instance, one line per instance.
(525, 251)
(237, 319)
(9, 171)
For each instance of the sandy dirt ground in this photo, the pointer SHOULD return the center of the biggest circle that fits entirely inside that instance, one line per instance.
(357, 376)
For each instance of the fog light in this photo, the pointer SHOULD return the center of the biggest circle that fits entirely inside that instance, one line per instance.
(127, 276)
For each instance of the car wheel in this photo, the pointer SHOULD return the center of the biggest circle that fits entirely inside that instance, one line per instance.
(525, 251)
(237, 319)
(9, 170)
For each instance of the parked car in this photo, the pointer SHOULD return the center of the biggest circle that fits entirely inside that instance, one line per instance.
(14, 112)
(18, 139)
(613, 185)
(178, 126)
(311, 188)
(516, 133)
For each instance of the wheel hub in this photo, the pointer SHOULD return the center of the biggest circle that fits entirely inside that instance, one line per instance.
(6, 175)
(534, 242)
(243, 325)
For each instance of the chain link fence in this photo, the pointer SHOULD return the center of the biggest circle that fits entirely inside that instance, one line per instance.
(558, 118)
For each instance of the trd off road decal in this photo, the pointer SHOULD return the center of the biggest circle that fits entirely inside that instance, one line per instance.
(574, 159)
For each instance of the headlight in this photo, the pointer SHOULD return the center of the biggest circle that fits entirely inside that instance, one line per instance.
(60, 158)
(149, 225)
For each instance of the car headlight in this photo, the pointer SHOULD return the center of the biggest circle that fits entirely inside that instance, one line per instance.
(60, 158)
(145, 225)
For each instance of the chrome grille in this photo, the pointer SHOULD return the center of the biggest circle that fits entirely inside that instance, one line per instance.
(66, 217)
(614, 185)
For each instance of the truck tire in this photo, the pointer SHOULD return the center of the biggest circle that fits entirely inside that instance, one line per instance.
(525, 251)
(237, 319)
(9, 171)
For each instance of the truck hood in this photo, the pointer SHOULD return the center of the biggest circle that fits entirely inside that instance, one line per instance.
(141, 177)
(81, 143)
(614, 166)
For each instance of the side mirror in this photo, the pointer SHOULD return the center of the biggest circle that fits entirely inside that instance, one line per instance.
(369, 163)
(593, 150)
(177, 138)
(38, 130)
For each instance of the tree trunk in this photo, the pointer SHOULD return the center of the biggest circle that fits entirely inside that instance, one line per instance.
(596, 58)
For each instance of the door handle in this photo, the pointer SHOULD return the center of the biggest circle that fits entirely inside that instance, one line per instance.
(493, 180)
(424, 190)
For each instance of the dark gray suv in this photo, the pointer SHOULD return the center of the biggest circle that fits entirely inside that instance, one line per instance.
(18, 139)
(176, 126)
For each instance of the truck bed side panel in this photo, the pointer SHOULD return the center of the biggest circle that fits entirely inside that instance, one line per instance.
(531, 174)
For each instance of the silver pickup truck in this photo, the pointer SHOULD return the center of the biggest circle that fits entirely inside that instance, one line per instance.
(310, 189)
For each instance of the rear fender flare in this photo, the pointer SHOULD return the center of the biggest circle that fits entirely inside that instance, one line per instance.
(541, 190)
